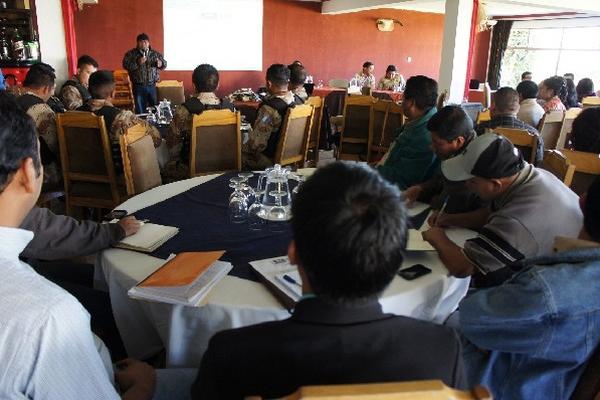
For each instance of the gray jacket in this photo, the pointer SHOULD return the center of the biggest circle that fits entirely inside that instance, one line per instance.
(57, 236)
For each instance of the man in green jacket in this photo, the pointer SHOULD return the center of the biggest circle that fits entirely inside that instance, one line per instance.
(410, 160)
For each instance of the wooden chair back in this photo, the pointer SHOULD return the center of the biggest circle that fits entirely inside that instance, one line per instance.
(171, 90)
(557, 163)
(550, 128)
(384, 127)
(123, 95)
(293, 141)
(87, 161)
(425, 390)
(587, 167)
(315, 131)
(567, 127)
(483, 115)
(355, 140)
(216, 143)
(339, 83)
(140, 162)
(590, 101)
(523, 140)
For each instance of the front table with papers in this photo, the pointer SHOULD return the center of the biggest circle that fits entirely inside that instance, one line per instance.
(147, 327)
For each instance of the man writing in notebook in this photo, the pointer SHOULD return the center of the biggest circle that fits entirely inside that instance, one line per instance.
(338, 332)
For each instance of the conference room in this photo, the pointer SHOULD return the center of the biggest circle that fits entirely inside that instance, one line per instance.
(300, 199)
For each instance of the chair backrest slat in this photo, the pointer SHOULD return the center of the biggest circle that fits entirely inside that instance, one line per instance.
(355, 140)
(293, 142)
(587, 167)
(559, 165)
(522, 140)
(140, 162)
(550, 128)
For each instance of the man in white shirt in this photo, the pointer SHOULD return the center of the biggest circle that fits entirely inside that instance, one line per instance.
(46, 344)
(530, 111)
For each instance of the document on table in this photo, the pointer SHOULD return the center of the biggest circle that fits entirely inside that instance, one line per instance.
(416, 242)
(149, 238)
(281, 278)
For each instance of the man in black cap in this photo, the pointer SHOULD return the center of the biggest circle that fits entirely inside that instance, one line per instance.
(144, 64)
(529, 208)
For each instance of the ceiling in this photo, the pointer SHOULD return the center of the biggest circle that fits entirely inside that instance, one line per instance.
(493, 8)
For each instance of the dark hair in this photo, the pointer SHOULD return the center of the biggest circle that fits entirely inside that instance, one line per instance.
(86, 60)
(297, 74)
(391, 68)
(39, 75)
(367, 64)
(585, 87)
(451, 122)
(569, 75)
(423, 90)
(278, 74)
(142, 36)
(571, 100)
(349, 226)
(101, 84)
(18, 139)
(585, 133)
(591, 210)
(528, 89)
(297, 62)
(205, 78)
(506, 99)
(524, 74)
(558, 84)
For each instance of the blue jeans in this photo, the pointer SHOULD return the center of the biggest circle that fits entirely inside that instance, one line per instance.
(145, 96)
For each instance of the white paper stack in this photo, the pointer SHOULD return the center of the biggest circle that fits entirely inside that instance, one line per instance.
(271, 271)
(149, 238)
(416, 242)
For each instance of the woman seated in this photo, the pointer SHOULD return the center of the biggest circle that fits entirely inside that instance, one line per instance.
(553, 91)
(585, 88)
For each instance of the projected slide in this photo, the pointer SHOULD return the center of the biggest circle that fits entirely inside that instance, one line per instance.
(225, 33)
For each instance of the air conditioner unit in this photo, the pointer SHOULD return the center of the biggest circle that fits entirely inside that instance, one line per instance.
(89, 1)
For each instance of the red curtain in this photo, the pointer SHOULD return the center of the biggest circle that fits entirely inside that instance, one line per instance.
(69, 8)
(471, 46)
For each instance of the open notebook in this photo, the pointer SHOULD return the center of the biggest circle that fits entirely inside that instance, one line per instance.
(184, 279)
(149, 238)
(415, 240)
(281, 278)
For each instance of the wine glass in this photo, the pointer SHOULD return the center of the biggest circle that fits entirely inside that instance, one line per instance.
(238, 205)
(277, 214)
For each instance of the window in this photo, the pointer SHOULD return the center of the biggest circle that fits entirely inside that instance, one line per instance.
(552, 51)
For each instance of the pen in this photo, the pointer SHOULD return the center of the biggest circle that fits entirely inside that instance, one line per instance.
(291, 280)
(444, 204)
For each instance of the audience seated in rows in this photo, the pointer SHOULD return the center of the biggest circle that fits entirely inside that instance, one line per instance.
(392, 80)
(206, 82)
(585, 133)
(338, 332)
(504, 109)
(553, 91)
(451, 131)
(297, 79)
(102, 87)
(410, 160)
(518, 223)
(365, 77)
(74, 92)
(259, 151)
(585, 88)
(530, 110)
(531, 337)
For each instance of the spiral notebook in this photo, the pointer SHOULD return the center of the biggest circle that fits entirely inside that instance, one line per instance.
(149, 238)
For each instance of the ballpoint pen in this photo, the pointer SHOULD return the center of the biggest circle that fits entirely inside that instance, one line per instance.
(444, 204)
(291, 280)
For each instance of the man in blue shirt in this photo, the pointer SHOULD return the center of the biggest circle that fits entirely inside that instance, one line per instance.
(531, 337)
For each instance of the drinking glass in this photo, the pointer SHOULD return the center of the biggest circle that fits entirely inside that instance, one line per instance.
(238, 203)
(256, 216)
(278, 213)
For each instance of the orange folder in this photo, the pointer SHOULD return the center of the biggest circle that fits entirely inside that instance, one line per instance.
(183, 269)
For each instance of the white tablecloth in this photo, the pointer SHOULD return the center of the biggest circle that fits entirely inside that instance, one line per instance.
(184, 331)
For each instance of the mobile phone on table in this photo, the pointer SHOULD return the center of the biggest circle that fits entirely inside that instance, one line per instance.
(414, 272)
(114, 214)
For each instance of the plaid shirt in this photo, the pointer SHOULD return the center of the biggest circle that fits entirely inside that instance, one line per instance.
(147, 73)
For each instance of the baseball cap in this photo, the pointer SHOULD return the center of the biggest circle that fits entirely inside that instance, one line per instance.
(488, 156)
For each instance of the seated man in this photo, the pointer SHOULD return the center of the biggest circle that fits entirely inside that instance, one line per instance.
(338, 332)
(531, 337)
(258, 152)
(392, 80)
(38, 87)
(451, 131)
(530, 110)
(297, 79)
(410, 160)
(504, 109)
(74, 92)
(517, 224)
(102, 87)
(365, 78)
(206, 81)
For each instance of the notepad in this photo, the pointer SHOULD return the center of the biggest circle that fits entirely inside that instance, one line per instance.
(149, 238)
(269, 269)
(415, 241)
(292, 281)
(185, 279)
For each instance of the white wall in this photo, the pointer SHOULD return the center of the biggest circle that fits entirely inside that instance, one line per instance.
(52, 37)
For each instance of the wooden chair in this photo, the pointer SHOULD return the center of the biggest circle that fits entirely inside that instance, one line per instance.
(587, 167)
(550, 128)
(295, 132)
(315, 131)
(355, 140)
(557, 163)
(425, 390)
(590, 101)
(87, 162)
(123, 95)
(522, 140)
(483, 115)
(171, 90)
(140, 163)
(215, 143)
(567, 126)
(383, 131)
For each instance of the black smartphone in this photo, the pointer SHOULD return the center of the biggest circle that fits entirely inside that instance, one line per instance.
(115, 214)
(414, 272)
